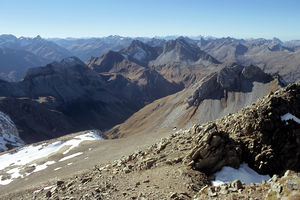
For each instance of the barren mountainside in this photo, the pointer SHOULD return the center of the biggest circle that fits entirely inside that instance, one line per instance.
(216, 95)
(265, 135)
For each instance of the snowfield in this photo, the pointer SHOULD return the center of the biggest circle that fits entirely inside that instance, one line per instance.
(30, 156)
(245, 174)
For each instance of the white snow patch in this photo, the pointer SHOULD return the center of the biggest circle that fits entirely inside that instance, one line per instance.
(5, 182)
(48, 187)
(57, 168)
(36, 191)
(28, 154)
(14, 173)
(289, 116)
(92, 135)
(245, 174)
(70, 156)
(69, 164)
(43, 166)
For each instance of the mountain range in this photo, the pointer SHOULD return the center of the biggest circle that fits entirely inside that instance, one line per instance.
(106, 90)
(105, 97)
(273, 56)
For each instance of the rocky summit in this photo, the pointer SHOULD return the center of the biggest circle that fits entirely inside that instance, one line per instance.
(264, 135)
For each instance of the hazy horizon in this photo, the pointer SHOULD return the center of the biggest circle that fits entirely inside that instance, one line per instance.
(135, 18)
(159, 37)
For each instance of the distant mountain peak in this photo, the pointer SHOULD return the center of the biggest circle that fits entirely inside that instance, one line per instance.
(139, 52)
(71, 61)
(277, 40)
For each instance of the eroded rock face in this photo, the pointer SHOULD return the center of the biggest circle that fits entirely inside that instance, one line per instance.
(256, 135)
(234, 78)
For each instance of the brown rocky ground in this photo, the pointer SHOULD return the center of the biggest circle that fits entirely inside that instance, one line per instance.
(181, 165)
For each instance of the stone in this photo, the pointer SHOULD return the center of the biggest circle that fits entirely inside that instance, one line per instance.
(149, 162)
(59, 183)
(84, 180)
(126, 170)
(146, 181)
(292, 185)
(223, 189)
(209, 158)
(287, 173)
(276, 187)
(237, 184)
(173, 195)
(48, 194)
(137, 184)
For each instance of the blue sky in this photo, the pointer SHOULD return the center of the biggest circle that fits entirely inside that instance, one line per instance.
(97, 18)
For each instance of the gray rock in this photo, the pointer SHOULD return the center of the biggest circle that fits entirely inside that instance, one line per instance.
(292, 185)
(48, 194)
(237, 184)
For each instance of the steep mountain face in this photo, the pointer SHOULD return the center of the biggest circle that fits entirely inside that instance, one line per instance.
(72, 88)
(81, 98)
(230, 79)
(181, 50)
(182, 61)
(108, 62)
(218, 94)
(9, 136)
(140, 52)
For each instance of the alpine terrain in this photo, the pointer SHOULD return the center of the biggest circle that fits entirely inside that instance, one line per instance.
(149, 118)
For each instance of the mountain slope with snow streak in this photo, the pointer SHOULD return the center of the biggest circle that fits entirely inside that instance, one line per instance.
(33, 158)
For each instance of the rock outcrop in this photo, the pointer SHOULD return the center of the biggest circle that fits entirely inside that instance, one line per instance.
(258, 136)
(233, 78)
(214, 150)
